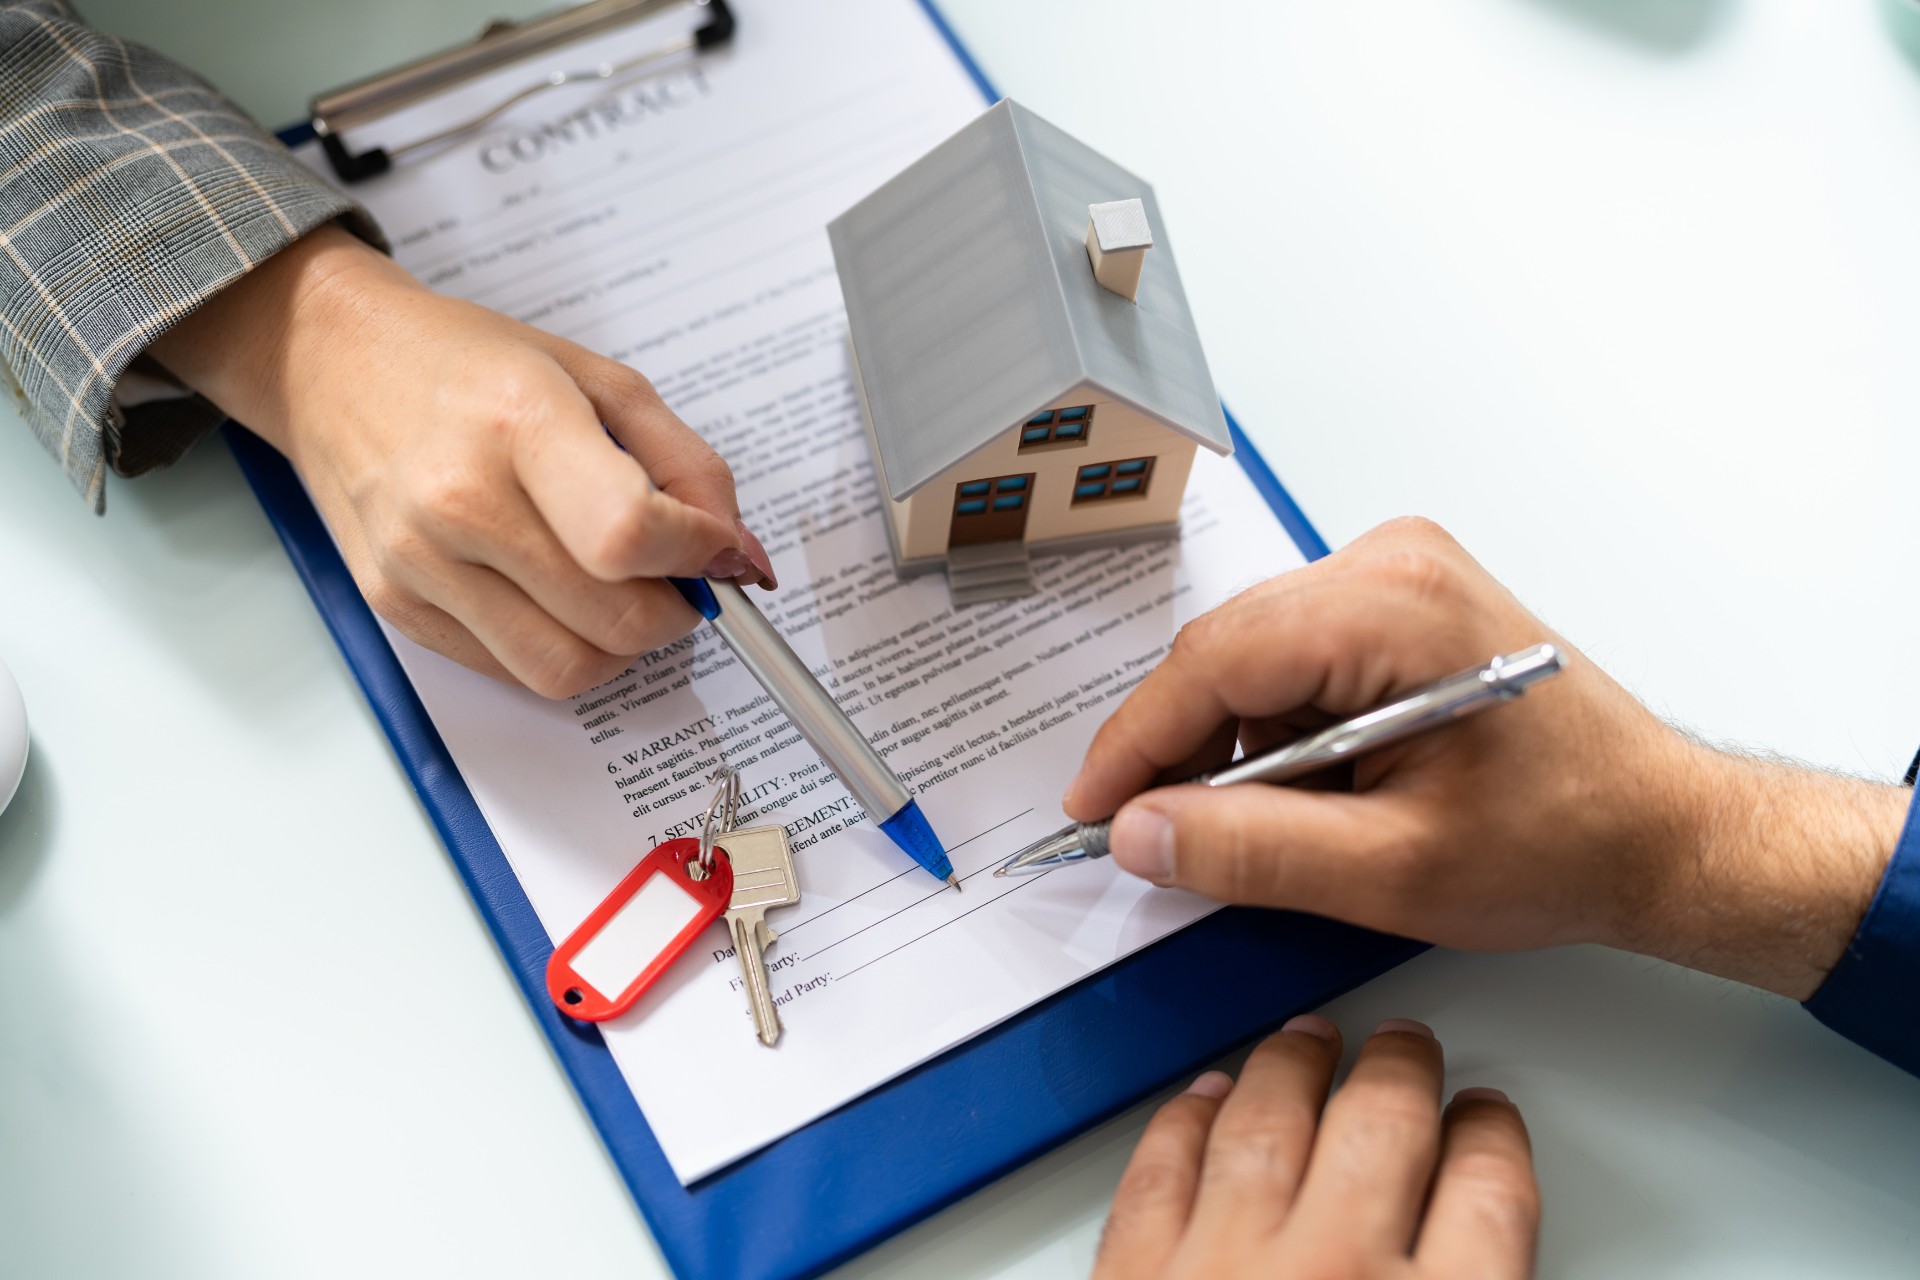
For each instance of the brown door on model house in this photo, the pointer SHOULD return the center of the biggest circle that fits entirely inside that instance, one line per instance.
(990, 510)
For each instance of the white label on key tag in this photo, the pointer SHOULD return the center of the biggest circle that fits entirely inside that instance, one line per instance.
(640, 930)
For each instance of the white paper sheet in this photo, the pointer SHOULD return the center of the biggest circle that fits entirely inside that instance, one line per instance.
(682, 230)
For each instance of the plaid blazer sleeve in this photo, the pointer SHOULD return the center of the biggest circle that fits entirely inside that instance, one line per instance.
(130, 193)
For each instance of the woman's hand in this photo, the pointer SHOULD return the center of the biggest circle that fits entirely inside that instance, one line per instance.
(460, 459)
(1251, 1179)
(1570, 815)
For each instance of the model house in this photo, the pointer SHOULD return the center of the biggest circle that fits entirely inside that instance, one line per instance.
(1024, 353)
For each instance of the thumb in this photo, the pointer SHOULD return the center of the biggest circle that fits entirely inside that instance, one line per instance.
(1335, 854)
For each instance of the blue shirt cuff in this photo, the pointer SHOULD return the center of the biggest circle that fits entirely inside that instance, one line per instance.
(1869, 996)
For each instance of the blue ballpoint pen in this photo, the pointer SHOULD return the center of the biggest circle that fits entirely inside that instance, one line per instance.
(812, 710)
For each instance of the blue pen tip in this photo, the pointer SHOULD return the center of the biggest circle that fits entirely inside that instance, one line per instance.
(909, 829)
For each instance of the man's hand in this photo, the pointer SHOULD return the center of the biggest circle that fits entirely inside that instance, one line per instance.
(459, 458)
(1570, 815)
(1251, 1180)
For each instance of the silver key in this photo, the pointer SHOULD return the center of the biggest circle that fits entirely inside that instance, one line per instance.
(763, 878)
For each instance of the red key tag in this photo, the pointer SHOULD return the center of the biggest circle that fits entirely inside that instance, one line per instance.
(642, 927)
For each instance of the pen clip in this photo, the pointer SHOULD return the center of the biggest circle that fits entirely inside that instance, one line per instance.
(1509, 675)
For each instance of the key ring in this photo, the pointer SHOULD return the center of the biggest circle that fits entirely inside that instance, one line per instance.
(726, 800)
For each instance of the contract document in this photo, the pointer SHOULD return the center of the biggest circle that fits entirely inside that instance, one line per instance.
(677, 224)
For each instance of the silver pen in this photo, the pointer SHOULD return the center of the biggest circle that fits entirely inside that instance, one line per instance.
(1428, 707)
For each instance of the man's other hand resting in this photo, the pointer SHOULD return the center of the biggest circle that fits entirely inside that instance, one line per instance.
(1268, 1178)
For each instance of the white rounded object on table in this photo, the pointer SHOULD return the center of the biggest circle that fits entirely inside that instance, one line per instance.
(13, 737)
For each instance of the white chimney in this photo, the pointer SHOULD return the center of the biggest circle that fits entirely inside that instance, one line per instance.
(1117, 242)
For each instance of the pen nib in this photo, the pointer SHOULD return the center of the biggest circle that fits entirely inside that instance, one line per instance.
(955, 882)
(1000, 873)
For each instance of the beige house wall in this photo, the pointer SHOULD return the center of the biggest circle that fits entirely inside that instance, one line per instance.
(921, 523)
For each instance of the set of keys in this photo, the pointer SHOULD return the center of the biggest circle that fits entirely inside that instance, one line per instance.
(666, 902)
(763, 878)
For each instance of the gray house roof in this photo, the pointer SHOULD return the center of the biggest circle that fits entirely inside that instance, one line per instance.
(972, 303)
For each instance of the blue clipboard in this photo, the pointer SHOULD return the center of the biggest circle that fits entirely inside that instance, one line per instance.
(930, 1137)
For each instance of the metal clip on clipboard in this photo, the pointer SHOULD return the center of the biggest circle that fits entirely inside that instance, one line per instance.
(502, 43)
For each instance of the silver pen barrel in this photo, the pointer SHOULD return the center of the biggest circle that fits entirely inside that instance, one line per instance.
(1426, 708)
(1501, 680)
(767, 656)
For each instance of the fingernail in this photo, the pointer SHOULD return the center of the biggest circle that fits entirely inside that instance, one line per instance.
(1311, 1024)
(1404, 1024)
(1212, 1084)
(1141, 841)
(1066, 800)
(757, 554)
(1480, 1094)
(728, 564)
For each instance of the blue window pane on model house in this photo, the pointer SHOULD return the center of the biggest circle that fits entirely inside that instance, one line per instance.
(1014, 485)
(1133, 468)
(972, 508)
(1033, 437)
(1040, 419)
(1126, 486)
(1094, 473)
(978, 486)
(1073, 415)
(1089, 491)
(1069, 430)
(1009, 503)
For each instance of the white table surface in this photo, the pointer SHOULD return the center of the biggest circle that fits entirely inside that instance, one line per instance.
(1624, 292)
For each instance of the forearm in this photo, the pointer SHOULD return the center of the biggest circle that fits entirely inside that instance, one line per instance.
(263, 343)
(1772, 873)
